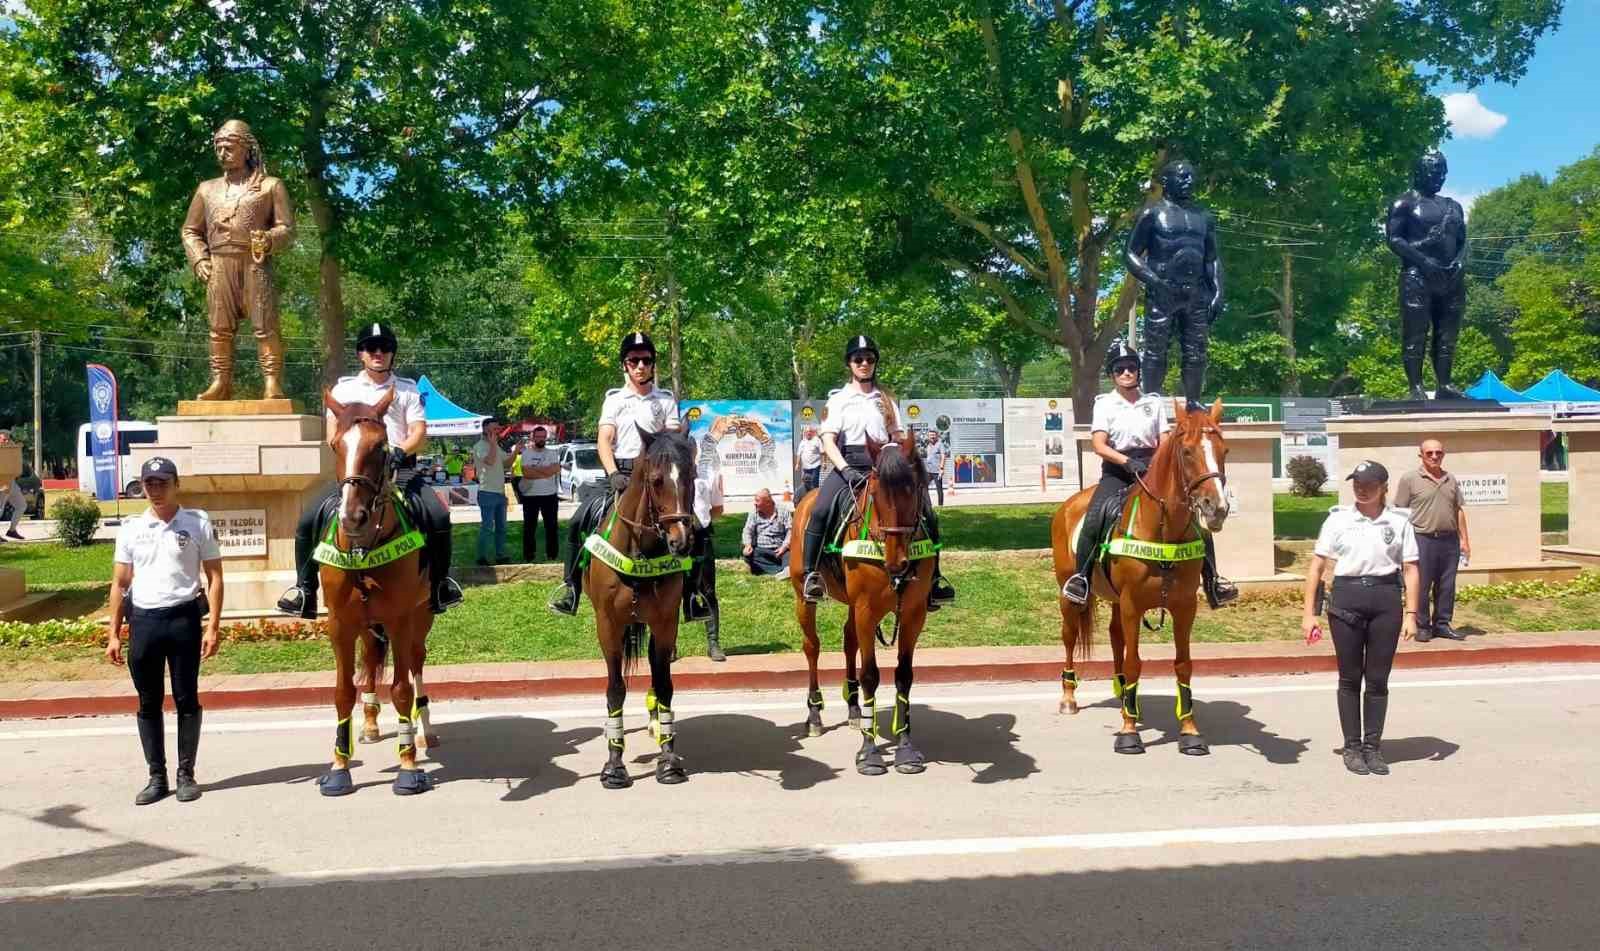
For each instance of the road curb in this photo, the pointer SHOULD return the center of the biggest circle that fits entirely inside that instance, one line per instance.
(734, 678)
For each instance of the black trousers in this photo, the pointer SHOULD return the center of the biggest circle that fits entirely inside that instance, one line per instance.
(1438, 559)
(1430, 302)
(938, 484)
(535, 507)
(827, 495)
(809, 480)
(434, 521)
(1185, 313)
(1365, 621)
(1113, 479)
(165, 640)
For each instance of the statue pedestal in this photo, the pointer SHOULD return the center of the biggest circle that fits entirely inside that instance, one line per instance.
(1245, 551)
(1583, 490)
(1494, 457)
(253, 474)
(237, 407)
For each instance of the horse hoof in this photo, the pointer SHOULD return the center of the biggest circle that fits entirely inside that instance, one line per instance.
(336, 782)
(366, 737)
(615, 777)
(909, 760)
(1067, 706)
(1128, 743)
(869, 762)
(1193, 744)
(410, 782)
(813, 728)
(670, 771)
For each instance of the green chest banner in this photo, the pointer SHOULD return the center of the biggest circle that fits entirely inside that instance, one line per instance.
(359, 559)
(1130, 547)
(866, 549)
(636, 567)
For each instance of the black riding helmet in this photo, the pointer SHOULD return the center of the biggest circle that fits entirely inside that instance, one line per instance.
(636, 341)
(1119, 353)
(377, 332)
(861, 343)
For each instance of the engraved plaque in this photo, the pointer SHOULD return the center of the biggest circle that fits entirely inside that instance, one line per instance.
(225, 459)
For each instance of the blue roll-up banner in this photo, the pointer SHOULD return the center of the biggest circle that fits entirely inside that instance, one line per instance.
(103, 432)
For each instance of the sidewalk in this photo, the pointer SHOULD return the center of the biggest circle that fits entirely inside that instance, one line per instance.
(788, 670)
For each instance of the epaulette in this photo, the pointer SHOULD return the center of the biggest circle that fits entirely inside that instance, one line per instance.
(663, 391)
(611, 393)
(1333, 509)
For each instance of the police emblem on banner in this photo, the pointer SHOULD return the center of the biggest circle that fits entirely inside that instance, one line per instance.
(1388, 534)
(102, 397)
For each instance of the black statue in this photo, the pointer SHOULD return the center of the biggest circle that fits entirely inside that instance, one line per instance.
(1429, 234)
(1172, 251)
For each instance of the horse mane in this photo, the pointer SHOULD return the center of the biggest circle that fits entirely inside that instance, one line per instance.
(671, 448)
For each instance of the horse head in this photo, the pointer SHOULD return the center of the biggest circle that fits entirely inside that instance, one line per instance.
(358, 440)
(664, 474)
(897, 487)
(1202, 462)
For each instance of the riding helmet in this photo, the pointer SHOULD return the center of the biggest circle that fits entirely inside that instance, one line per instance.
(860, 343)
(1120, 352)
(378, 332)
(636, 341)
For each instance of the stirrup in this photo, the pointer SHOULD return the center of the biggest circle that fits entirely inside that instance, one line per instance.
(813, 587)
(1221, 591)
(565, 601)
(1076, 589)
(941, 592)
(697, 607)
(298, 602)
(446, 595)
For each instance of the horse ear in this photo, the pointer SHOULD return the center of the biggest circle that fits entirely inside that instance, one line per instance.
(1179, 410)
(647, 439)
(333, 406)
(1216, 411)
(382, 406)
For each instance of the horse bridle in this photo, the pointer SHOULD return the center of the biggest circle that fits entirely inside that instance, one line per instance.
(382, 498)
(1188, 489)
(654, 522)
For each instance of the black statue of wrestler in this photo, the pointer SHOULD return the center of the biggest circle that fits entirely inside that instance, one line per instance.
(1172, 251)
(1428, 232)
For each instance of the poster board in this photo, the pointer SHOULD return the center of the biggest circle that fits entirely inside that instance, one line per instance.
(750, 443)
(973, 434)
(1039, 443)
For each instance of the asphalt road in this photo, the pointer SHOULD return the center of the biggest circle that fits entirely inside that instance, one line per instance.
(1026, 831)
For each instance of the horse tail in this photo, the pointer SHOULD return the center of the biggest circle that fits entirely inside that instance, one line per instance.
(1083, 645)
(635, 640)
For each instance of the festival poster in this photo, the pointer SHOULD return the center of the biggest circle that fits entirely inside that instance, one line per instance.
(1039, 443)
(973, 434)
(749, 442)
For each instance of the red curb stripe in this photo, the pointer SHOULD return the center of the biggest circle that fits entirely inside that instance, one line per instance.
(269, 697)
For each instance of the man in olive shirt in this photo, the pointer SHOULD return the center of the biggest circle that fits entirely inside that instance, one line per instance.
(1441, 523)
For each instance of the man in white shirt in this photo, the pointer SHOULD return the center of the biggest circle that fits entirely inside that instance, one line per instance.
(537, 492)
(809, 458)
(159, 560)
(701, 583)
(933, 459)
(490, 462)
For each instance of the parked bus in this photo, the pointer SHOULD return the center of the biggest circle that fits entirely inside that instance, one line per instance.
(130, 432)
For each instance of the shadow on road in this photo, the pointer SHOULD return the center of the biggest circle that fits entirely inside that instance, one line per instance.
(1222, 722)
(519, 752)
(986, 745)
(736, 743)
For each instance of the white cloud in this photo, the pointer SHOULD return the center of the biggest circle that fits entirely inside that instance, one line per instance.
(1470, 118)
(1467, 199)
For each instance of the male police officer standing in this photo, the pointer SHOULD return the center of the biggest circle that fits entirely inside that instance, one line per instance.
(159, 559)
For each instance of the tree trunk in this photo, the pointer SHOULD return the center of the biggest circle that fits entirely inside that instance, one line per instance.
(674, 332)
(330, 289)
(1291, 375)
(1085, 383)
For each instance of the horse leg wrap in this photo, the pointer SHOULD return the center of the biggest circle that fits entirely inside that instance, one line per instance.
(421, 715)
(614, 729)
(852, 692)
(369, 699)
(869, 718)
(668, 725)
(1069, 678)
(1119, 685)
(902, 714)
(650, 700)
(407, 736)
(1130, 700)
(814, 700)
(1185, 702)
(341, 739)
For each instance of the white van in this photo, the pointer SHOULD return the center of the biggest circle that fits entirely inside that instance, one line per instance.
(129, 433)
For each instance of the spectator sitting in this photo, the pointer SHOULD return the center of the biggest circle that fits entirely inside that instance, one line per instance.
(767, 535)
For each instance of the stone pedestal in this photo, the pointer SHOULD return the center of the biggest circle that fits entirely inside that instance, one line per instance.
(1494, 456)
(254, 474)
(1583, 490)
(1245, 552)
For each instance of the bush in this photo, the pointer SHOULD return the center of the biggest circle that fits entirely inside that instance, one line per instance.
(77, 517)
(1308, 476)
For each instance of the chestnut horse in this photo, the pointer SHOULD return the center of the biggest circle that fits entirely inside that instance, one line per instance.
(888, 512)
(650, 527)
(1186, 484)
(383, 603)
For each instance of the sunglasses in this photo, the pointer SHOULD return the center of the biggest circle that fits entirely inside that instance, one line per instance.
(864, 358)
(1121, 370)
(376, 348)
(1434, 455)
(640, 361)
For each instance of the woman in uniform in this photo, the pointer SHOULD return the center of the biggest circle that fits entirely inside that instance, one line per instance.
(1375, 550)
(1127, 425)
(854, 415)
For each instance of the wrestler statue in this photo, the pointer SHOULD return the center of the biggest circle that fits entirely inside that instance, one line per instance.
(235, 225)
(1172, 251)
(1428, 232)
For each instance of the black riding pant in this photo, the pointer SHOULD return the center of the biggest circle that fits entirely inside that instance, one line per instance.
(1434, 302)
(1364, 615)
(827, 497)
(163, 640)
(1185, 312)
(433, 519)
(535, 507)
(584, 522)
(1113, 480)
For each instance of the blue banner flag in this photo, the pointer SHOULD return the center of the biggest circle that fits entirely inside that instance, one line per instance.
(103, 432)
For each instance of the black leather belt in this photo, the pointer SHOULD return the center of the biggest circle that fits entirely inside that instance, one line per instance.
(1368, 581)
(1438, 534)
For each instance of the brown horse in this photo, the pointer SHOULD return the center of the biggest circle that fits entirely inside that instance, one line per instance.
(385, 606)
(1186, 484)
(888, 511)
(650, 520)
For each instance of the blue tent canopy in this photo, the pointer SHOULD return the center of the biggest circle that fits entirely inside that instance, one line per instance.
(1491, 387)
(1557, 387)
(444, 417)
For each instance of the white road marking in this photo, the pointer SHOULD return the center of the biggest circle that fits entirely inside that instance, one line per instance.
(857, 852)
(932, 698)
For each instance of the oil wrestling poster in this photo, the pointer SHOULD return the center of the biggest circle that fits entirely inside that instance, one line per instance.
(749, 442)
(1039, 443)
(973, 435)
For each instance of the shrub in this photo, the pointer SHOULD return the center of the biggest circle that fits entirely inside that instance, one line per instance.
(1308, 476)
(77, 517)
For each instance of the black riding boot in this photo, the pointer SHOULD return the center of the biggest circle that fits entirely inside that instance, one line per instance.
(301, 600)
(714, 636)
(1077, 587)
(1219, 590)
(444, 593)
(941, 592)
(566, 599)
(812, 587)
(188, 746)
(153, 738)
(696, 600)
(1374, 709)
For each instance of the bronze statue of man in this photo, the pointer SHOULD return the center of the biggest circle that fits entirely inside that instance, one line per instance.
(1172, 251)
(1428, 232)
(236, 223)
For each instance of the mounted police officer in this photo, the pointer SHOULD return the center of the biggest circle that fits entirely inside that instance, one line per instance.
(376, 345)
(855, 414)
(637, 407)
(1125, 430)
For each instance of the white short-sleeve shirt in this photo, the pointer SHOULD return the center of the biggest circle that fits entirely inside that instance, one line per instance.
(1367, 546)
(533, 458)
(811, 453)
(166, 556)
(707, 496)
(633, 413)
(1136, 425)
(854, 417)
(403, 412)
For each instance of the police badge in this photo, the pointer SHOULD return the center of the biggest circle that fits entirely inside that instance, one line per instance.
(183, 539)
(1388, 534)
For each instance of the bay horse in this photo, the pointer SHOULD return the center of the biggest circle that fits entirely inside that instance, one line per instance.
(379, 596)
(888, 513)
(650, 528)
(1185, 485)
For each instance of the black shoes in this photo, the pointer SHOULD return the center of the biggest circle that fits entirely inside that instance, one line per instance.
(1374, 760)
(154, 791)
(298, 602)
(13, 533)
(565, 601)
(1221, 591)
(1355, 760)
(941, 593)
(812, 589)
(1076, 589)
(446, 595)
(188, 789)
(1444, 630)
(714, 646)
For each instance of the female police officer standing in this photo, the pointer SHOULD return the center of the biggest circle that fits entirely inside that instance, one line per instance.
(159, 559)
(1375, 547)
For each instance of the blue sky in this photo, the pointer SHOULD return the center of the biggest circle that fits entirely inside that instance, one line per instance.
(1549, 119)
